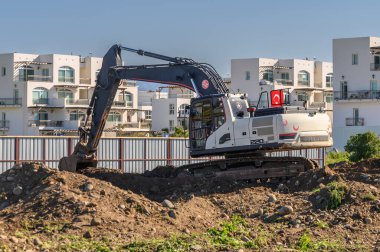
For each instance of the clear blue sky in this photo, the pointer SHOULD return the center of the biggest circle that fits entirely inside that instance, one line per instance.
(213, 31)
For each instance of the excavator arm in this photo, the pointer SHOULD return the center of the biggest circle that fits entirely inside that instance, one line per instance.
(199, 77)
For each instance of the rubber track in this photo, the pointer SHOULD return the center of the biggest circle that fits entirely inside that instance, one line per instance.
(227, 165)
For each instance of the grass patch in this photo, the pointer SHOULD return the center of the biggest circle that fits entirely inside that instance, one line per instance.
(306, 243)
(77, 243)
(228, 235)
(368, 197)
(322, 224)
(336, 193)
(337, 157)
(316, 190)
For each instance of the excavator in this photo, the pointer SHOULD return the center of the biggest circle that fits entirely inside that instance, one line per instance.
(221, 122)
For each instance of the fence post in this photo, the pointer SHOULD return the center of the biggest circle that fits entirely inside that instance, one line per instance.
(121, 155)
(145, 155)
(69, 146)
(168, 151)
(43, 150)
(17, 150)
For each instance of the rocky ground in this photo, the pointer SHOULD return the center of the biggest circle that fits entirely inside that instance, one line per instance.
(333, 209)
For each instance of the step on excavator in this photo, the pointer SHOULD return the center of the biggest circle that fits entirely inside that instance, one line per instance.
(221, 122)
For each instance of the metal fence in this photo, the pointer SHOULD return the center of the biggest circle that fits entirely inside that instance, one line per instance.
(133, 155)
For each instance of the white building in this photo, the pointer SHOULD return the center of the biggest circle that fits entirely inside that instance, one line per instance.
(307, 80)
(356, 92)
(170, 110)
(49, 94)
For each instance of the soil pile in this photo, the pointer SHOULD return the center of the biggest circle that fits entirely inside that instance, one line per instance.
(102, 209)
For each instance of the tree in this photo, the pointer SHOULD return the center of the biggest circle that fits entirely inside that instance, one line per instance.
(363, 146)
(180, 132)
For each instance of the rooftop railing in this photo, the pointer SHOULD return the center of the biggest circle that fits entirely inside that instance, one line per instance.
(45, 123)
(357, 95)
(4, 102)
(354, 121)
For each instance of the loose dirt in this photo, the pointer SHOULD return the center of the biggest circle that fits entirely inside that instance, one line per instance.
(42, 209)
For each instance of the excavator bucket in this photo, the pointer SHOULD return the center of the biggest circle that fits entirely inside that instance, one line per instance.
(73, 163)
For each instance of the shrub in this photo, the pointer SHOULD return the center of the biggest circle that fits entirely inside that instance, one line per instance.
(363, 146)
(336, 157)
(336, 192)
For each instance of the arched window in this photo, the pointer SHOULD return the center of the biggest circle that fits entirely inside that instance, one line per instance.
(268, 75)
(183, 110)
(127, 97)
(40, 96)
(25, 73)
(77, 115)
(66, 74)
(67, 95)
(303, 78)
(114, 117)
(329, 80)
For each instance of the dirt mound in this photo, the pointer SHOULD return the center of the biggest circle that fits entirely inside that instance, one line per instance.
(102, 209)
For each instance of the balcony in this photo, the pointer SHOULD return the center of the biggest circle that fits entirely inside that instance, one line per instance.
(10, 102)
(4, 125)
(39, 78)
(40, 101)
(304, 83)
(119, 104)
(77, 103)
(375, 67)
(355, 121)
(357, 95)
(45, 123)
(187, 96)
(317, 105)
(47, 103)
(284, 82)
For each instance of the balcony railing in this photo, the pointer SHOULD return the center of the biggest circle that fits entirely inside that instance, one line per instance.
(45, 123)
(284, 82)
(128, 104)
(357, 95)
(355, 121)
(4, 124)
(66, 79)
(41, 101)
(318, 105)
(375, 67)
(303, 83)
(77, 102)
(189, 96)
(41, 78)
(4, 102)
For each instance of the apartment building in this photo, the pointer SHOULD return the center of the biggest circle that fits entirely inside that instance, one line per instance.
(49, 95)
(309, 82)
(170, 110)
(356, 92)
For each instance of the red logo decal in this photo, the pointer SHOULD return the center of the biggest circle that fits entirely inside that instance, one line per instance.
(296, 128)
(285, 122)
(205, 84)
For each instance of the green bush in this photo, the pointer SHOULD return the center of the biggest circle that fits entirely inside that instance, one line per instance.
(337, 192)
(363, 146)
(336, 157)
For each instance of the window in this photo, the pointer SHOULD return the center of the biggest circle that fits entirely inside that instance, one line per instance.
(45, 74)
(77, 115)
(40, 96)
(303, 78)
(355, 59)
(67, 95)
(127, 97)
(3, 71)
(41, 115)
(268, 75)
(171, 109)
(114, 117)
(329, 98)
(302, 97)
(25, 73)
(148, 114)
(171, 125)
(285, 76)
(247, 75)
(66, 74)
(329, 80)
(183, 110)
